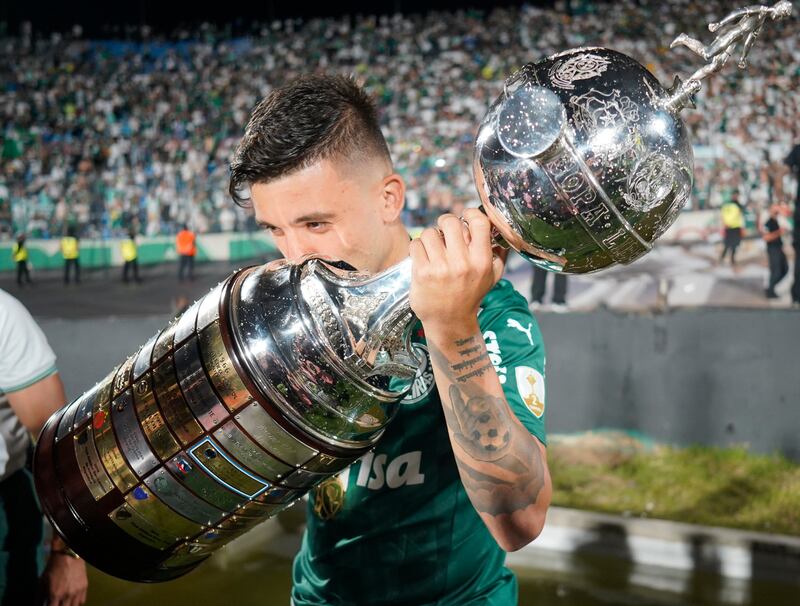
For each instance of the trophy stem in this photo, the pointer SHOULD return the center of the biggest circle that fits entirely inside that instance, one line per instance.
(681, 95)
(366, 321)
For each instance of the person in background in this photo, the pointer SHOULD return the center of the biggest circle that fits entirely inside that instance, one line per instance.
(186, 247)
(71, 253)
(733, 227)
(772, 233)
(793, 162)
(20, 256)
(559, 289)
(30, 391)
(130, 255)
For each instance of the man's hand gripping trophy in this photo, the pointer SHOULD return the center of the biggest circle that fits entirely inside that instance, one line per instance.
(750, 21)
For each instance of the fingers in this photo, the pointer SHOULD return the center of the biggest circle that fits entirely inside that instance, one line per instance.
(480, 228)
(65, 583)
(433, 242)
(72, 598)
(455, 236)
(463, 245)
(418, 255)
(59, 598)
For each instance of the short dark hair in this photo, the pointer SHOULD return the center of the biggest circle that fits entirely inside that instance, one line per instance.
(316, 117)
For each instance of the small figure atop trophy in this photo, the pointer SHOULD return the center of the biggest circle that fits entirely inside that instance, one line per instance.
(751, 20)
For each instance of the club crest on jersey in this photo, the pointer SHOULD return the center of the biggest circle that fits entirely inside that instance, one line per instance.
(329, 495)
(423, 381)
(530, 385)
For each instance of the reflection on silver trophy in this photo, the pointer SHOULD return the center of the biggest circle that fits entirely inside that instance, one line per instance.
(285, 374)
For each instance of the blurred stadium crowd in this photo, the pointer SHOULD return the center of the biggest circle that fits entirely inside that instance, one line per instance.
(138, 131)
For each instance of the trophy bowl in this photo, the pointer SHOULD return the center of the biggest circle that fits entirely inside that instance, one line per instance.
(581, 162)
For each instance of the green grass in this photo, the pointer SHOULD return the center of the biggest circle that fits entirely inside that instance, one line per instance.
(698, 485)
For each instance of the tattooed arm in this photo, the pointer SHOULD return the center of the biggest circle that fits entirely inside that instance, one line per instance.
(502, 466)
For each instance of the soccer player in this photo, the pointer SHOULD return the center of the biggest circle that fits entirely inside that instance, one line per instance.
(461, 476)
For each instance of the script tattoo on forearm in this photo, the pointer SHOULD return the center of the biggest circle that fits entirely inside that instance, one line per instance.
(501, 466)
(474, 360)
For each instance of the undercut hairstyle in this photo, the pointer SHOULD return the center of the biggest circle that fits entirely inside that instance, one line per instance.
(316, 117)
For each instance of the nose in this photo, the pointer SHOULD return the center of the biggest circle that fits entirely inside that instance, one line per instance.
(296, 245)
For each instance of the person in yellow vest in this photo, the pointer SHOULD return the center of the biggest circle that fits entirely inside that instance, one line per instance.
(733, 227)
(186, 248)
(130, 254)
(20, 256)
(70, 252)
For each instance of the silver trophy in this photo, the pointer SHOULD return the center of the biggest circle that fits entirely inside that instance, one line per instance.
(583, 161)
(286, 373)
(280, 377)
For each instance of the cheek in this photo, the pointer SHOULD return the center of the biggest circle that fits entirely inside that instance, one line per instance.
(360, 247)
(355, 235)
(335, 242)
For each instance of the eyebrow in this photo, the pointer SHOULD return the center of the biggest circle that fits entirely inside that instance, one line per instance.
(309, 218)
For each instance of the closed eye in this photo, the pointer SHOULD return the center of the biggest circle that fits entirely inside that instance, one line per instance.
(275, 231)
(317, 226)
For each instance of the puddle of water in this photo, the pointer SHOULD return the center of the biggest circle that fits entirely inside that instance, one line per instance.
(604, 581)
(265, 580)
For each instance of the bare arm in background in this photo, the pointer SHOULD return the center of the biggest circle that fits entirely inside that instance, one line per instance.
(64, 576)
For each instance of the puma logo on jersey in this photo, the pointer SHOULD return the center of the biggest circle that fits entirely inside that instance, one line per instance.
(400, 471)
(512, 323)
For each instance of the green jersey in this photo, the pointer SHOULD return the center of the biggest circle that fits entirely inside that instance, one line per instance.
(402, 529)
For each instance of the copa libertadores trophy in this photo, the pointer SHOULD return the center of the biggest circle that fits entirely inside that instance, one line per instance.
(286, 373)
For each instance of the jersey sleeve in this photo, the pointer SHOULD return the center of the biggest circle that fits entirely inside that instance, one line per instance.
(25, 355)
(516, 350)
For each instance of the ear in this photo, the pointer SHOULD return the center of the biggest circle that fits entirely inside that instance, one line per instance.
(393, 193)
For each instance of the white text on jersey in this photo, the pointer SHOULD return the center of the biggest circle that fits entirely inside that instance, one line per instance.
(495, 355)
(401, 471)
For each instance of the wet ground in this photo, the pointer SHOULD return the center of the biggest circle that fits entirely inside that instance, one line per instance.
(251, 572)
(670, 276)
